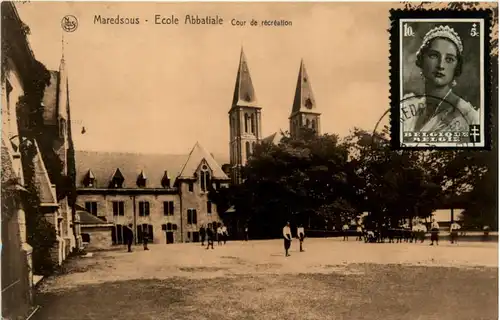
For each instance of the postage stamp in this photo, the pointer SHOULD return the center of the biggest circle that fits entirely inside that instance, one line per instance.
(440, 78)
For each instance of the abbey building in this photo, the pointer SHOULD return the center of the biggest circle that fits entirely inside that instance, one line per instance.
(166, 196)
(245, 116)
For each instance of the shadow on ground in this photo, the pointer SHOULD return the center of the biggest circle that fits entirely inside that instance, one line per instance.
(381, 292)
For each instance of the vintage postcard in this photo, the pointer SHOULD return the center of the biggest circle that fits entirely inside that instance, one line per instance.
(249, 160)
(443, 80)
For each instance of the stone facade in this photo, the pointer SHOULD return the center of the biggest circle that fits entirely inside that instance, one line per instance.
(48, 164)
(123, 189)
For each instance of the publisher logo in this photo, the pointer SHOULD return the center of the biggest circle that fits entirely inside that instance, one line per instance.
(69, 23)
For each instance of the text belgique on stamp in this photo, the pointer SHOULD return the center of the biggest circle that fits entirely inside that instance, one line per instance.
(440, 79)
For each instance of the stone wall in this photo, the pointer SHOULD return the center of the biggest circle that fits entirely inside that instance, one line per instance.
(196, 200)
(100, 237)
(156, 217)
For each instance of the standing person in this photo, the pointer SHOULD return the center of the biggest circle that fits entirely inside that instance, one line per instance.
(202, 235)
(415, 229)
(434, 232)
(224, 233)
(246, 232)
(287, 236)
(301, 235)
(422, 230)
(219, 234)
(345, 230)
(454, 232)
(145, 239)
(128, 235)
(359, 231)
(210, 237)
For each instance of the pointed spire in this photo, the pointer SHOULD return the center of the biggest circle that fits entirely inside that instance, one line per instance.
(63, 86)
(304, 98)
(244, 93)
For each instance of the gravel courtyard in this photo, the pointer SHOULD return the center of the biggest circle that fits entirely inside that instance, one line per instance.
(333, 279)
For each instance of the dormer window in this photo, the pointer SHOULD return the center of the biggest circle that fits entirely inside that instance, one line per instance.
(165, 181)
(204, 177)
(141, 180)
(117, 180)
(89, 180)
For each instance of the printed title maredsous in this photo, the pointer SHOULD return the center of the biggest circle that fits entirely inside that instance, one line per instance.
(188, 19)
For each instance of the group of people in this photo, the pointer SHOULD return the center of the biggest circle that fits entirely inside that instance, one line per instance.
(220, 234)
(287, 235)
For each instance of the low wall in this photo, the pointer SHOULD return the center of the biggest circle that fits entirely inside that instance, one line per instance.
(99, 237)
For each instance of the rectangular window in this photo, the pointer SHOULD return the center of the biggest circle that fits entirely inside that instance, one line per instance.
(168, 208)
(191, 187)
(192, 216)
(143, 208)
(118, 208)
(209, 207)
(91, 206)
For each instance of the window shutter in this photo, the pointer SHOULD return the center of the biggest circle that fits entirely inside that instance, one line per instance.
(119, 230)
(195, 218)
(171, 204)
(147, 208)
(113, 235)
(139, 233)
(150, 232)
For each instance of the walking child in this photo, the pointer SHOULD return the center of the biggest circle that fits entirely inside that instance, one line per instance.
(210, 237)
(128, 235)
(202, 235)
(301, 235)
(434, 232)
(454, 232)
(287, 236)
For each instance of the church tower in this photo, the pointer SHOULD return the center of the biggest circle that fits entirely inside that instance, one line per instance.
(304, 111)
(244, 121)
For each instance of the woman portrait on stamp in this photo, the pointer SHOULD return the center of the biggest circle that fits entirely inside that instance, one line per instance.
(440, 109)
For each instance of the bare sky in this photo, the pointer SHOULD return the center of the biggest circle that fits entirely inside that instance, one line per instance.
(160, 88)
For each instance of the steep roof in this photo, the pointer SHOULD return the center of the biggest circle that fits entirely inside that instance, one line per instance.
(104, 164)
(46, 191)
(197, 155)
(274, 138)
(304, 98)
(86, 218)
(49, 100)
(244, 93)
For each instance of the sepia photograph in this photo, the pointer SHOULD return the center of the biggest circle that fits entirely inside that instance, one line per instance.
(236, 160)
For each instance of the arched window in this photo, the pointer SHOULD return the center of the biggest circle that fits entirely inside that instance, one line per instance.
(248, 151)
(313, 124)
(252, 122)
(246, 123)
(204, 177)
(253, 146)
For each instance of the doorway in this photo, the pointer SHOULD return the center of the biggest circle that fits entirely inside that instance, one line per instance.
(196, 236)
(170, 237)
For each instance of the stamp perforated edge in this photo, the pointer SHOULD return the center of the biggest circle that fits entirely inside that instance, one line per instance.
(489, 75)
